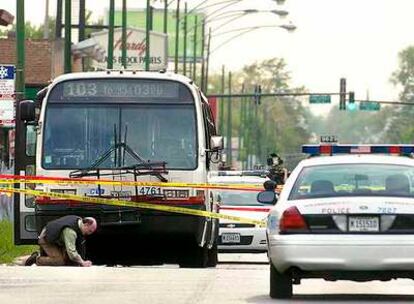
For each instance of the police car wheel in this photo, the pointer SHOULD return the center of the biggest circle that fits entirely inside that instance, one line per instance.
(280, 284)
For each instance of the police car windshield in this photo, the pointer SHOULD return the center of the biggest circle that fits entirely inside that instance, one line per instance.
(354, 180)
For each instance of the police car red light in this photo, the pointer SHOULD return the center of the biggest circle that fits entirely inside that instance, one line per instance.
(292, 220)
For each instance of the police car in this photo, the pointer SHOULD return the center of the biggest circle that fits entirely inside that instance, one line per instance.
(236, 236)
(345, 213)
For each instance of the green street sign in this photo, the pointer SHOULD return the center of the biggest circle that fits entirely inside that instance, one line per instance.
(369, 106)
(320, 99)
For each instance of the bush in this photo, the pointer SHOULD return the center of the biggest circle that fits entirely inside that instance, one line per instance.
(8, 251)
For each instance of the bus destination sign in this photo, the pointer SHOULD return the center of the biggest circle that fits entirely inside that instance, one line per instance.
(125, 88)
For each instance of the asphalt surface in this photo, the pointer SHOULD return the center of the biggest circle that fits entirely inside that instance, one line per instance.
(237, 279)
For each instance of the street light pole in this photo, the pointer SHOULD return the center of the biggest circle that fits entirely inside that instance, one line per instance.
(203, 29)
(241, 113)
(124, 33)
(20, 51)
(177, 35)
(110, 60)
(195, 50)
(165, 16)
(185, 40)
(147, 37)
(229, 125)
(208, 59)
(68, 37)
(59, 9)
(221, 112)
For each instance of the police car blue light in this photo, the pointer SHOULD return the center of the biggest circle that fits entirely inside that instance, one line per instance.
(330, 149)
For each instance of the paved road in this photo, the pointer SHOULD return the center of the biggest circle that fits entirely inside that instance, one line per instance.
(232, 282)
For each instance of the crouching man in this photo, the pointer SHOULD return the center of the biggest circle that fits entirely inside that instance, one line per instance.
(61, 240)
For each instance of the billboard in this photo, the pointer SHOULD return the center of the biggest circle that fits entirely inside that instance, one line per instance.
(137, 18)
(136, 44)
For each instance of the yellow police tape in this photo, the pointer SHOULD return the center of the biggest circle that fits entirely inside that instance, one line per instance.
(245, 187)
(143, 205)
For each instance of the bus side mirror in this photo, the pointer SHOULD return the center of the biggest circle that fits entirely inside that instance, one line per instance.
(267, 197)
(216, 143)
(27, 110)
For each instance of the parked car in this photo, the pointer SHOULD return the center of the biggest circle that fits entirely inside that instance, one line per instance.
(236, 236)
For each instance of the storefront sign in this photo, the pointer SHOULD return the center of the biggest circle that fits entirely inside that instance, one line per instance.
(6, 81)
(7, 77)
(7, 113)
(136, 44)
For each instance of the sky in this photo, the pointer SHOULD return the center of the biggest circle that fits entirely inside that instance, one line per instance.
(356, 39)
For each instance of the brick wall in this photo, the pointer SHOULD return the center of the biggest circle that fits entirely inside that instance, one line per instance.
(44, 59)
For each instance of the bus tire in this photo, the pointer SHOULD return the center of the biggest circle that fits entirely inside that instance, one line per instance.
(212, 256)
(197, 257)
(280, 284)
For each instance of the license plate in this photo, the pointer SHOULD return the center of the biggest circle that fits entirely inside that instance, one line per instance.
(149, 191)
(230, 238)
(363, 224)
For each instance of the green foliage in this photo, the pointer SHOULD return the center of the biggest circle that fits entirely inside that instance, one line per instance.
(8, 251)
(400, 128)
(277, 124)
(352, 127)
(32, 31)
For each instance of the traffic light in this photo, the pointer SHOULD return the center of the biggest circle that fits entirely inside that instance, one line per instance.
(342, 94)
(351, 102)
(351, 97)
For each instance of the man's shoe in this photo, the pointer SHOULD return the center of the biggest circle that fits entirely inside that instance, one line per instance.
(31, 259)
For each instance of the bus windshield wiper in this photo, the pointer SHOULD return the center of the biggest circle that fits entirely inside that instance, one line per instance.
(121, 148)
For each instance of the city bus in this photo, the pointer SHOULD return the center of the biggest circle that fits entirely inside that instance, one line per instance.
(122, 126)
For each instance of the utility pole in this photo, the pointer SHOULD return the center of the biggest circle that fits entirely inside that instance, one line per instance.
(265, 140)
(221, 112)
(241, 113)
(208, 59)
(124, 33)
(256, 141)
(110, 61)
(165, 16)
(68, 37)
(20, 51)
(342, 94)
(46, 21)
(229, 125)
(147, 37)
(195, 49)
(59, 9)
(203, 42)
(82, 20)
(185, 39)
(177, 35)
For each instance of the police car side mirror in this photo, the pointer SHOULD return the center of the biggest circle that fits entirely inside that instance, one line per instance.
(267, 197)
(27, 110)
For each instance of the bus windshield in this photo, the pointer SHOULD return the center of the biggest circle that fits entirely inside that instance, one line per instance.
(76, 134)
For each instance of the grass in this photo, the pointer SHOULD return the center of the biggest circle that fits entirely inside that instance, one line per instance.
(8, 251)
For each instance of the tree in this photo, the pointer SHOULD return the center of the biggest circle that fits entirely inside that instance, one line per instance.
(399, 126)
(276, 124)
(33, 31)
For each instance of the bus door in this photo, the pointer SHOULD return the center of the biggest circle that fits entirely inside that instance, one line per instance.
(24, 205)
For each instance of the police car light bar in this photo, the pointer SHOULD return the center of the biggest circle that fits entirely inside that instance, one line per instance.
(326, 149)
